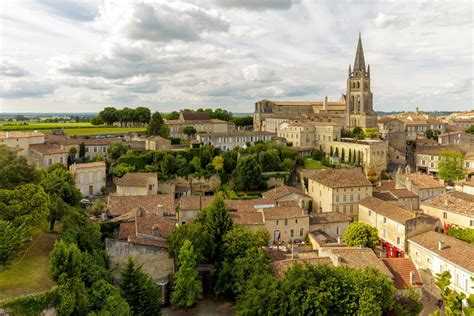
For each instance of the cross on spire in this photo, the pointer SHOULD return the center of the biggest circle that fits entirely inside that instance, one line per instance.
(359, 62)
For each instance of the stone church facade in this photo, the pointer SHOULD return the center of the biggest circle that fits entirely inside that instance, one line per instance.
(355, 108)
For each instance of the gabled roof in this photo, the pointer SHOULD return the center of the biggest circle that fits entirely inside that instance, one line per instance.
(341, 178)
(118, 205)
(453, 201)
(387, 209)
(328, 217)
(280, 192)
(401, 268)
(195, 116)
(277, 213)
(136, 179)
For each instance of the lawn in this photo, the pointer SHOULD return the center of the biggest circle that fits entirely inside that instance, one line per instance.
(29, 274)
(313, 164)
(102, 130)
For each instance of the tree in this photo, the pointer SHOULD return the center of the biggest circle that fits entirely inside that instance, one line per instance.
(216, 221)
(361, 234)
(11, 239)
(371, 133)
(450, 165)
(218, 163)
(117, 149)
(155, 127)
(408, 304)
(470, 130)
(243, 121)
(358, 132)
(140, 291)
(172, 116)
(109, 115)
(71, 156)
(96, 120)
(106, 299)
(15, 170)
(269, 160)
(432, 134)
(187, 289)
(248, 174)
(65, 261)
(189, 130)
(466, 234)
(123, 168)
(453, 300)
(98, 207)
(317, 154)
(201, 239)
(142, 115)
(82, 150)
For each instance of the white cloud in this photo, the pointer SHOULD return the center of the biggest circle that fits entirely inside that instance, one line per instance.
(259, 73)
(259, 5)
(11, 68)
(25, 89)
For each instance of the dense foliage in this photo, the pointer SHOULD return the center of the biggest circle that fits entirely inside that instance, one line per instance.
(450, 165)
(361, 234)
(157, 126)
(454, 303)
(466, 234)
(110, 115)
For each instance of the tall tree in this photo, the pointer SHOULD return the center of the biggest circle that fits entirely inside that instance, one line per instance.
(11, 239)
(190, 131)
(450, 165)
(361, 234)
(248, 174)
(187, 289)
(140, 291)
(201, 239)
(218, 163)
(82, 150)
(117, 149)
(109, 115)
(15, 170)
(157, 125)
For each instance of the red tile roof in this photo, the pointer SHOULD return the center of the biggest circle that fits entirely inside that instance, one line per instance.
(401, 268)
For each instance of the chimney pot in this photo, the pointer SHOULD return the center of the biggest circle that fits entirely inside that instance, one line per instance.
(412, 278)
(441, 245)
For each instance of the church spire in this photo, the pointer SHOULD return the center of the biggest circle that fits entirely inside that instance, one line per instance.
(359, 62)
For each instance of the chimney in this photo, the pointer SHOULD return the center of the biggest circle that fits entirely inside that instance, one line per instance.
(441, 245)
(417, 110)
(160, 210)
(412, 278)
(325, 104)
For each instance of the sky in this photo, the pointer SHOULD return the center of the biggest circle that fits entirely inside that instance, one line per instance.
(80, 56)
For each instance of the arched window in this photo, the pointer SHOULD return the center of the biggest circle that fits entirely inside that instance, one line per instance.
(353, 85)
(358, 84)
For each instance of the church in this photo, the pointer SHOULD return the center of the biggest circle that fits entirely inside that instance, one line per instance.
(355, 108)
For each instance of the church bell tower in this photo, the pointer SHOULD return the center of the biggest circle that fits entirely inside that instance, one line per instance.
(359, 110)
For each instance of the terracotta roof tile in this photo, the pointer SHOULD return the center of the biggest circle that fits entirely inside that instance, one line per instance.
(280, 192)
(341, 178)
(283, 213)
(247, 218)
(280, 267)
(138, 179)
(401, 268)
(118, 205)
(453, 201)
(47, 149)
(422, 181)
(87, 165)
(328, 217)
(387, 209)
(455, 250)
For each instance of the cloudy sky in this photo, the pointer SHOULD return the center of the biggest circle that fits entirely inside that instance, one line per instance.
(79, 56)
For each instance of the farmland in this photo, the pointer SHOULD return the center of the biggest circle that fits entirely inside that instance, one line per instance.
(83, 128)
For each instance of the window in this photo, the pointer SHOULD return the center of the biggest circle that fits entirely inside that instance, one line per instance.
(337, 198)
(337, 208)
(292, 233)
(61, 159)
(370, 213)
(352, 198)
(338, 230)
(150, 187)
(385, 220)
(417, 256)
(277, 222)
(472, 222)
(445, 215)
(398, 240)
(301, 232)
(344, 198)
(296, 221)
(50, 162)
(286, 222)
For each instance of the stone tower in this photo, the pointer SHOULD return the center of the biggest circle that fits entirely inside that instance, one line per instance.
(359, 110)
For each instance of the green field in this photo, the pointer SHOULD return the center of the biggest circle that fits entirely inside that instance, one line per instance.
(83, 128)
(100, 131)
(29, 274)
(313, 164)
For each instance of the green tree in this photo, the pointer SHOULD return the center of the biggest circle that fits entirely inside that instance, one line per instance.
(453, 300)
(371, 133)
(109, 115)
(470, 130)
(122, 168)
(142, 115)
(450, 165)
(361, 234)
(157, 125)
(15, 170)
(408, 304)
(96, 120)
(358, 132)
(466, 234)
(82, 150)
(72, 297)
(218, 163)
(216, 221)
(168, 165)
(269, 160)
(106, 300)
(201, 239)
(65, 261)
(189, 130)
(117, 149)
(11, 239)
(98, 207)
(187, 289)
(248, 174)
(140, 291)
(71, 155)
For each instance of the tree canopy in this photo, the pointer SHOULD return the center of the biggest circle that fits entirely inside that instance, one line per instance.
(157, 126)
(450, 165)
(361, 234)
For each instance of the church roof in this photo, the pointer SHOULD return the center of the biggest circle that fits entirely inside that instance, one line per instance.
(359, 62)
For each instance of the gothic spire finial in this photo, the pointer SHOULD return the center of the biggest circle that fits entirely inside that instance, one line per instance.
(359, 62)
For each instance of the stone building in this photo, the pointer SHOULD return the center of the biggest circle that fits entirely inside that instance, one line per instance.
(44, 155)
(286, 193)
(355, 108)
(156, 142)
(417, 128)
(119, 205)
(387, 191)
(394, 224)
(308, 133)
(334, 224)
(393, 130)
(200, 121)
(21, 141)
(89, 177)
(427, 158)
(137, 183)
(227, 141)
(456, 138)
(434, 253)
(452, 208)
(338, 190)
(423, 185)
